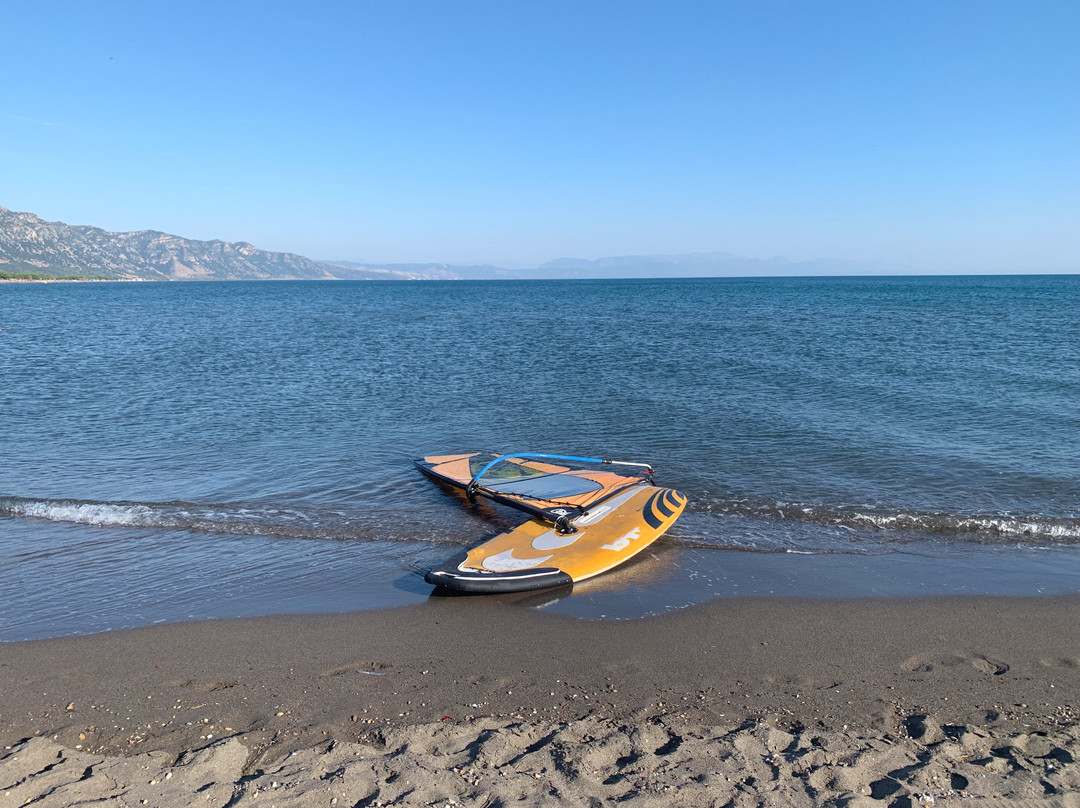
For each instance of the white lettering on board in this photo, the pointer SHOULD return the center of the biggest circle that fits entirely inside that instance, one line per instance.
(623, 542)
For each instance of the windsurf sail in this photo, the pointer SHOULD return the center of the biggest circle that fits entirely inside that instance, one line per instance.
(555, 488)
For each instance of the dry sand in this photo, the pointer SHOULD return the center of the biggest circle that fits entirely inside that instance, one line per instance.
(473, 701)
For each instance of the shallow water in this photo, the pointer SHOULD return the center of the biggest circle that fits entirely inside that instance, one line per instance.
(174, 451)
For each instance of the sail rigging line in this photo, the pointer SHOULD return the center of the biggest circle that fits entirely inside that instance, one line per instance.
(563, 522)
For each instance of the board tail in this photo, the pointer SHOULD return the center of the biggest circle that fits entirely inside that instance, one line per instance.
(455, 575)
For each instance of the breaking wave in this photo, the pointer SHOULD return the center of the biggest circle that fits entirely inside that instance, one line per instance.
(323, 522)
(963, 527)
(227, 518)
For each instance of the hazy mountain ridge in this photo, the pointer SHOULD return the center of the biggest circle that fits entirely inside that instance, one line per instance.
(430, 272)
(29, 244)
(689, 265)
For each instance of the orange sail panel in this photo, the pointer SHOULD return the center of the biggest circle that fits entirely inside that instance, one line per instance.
(534, 484)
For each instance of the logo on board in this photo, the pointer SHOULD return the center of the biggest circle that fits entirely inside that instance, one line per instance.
(623, 542)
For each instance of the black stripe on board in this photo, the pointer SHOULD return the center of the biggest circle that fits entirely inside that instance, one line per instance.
(675, 499)
(663, 506)
(651, 518)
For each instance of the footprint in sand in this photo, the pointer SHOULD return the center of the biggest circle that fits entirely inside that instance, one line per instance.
(927, 664)
(1063, 662)
(369, 668)
(202, 686)
(995, 667)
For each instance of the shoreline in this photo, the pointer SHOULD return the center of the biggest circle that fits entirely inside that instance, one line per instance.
(668, 577)
(935, 682)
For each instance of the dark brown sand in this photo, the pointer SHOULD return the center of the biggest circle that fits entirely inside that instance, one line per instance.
(466, 701)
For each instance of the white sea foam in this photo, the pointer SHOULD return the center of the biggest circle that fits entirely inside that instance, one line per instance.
(83, 513)
(981, 527)
(238, 518)
(128, 514)
(1058, 529)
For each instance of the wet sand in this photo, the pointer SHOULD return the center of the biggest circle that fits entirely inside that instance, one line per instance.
(472, 701)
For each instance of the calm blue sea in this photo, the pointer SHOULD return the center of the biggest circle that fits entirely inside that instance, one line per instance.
(191, 450)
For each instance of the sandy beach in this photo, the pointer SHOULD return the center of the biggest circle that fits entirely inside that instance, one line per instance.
(473, 701)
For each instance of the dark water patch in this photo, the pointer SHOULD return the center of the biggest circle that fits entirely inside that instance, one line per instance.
(79, 579)
(96, 578)
(670, 578)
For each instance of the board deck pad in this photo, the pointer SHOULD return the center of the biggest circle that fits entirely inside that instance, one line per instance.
(536, 555)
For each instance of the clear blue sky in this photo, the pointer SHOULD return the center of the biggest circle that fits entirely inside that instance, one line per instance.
(942, 135)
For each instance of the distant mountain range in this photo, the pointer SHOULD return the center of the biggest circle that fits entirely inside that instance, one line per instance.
(31, 245)
(690, 265)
